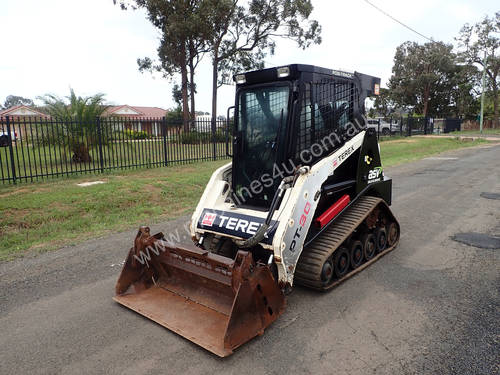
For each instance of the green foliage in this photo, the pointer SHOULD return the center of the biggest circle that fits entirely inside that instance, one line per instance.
(480, 45)
(196, 137)
(423, 77)
(174, 117)
(83, 110)
(136, 134)
(240, 34)
(79, 118)
(13, 100)
(383, 105)
(182, 42)
(177, 95)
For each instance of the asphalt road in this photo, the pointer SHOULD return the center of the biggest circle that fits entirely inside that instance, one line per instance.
(431, 306)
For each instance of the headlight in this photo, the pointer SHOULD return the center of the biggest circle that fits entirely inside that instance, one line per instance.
(283, 72)
(240, 79)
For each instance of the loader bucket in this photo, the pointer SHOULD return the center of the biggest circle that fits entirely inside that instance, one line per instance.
(217, 302)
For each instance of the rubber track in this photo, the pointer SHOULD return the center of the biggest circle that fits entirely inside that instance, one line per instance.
(308, 270)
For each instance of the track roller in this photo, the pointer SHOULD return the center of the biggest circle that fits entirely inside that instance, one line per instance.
(381, 239)
(341, 262)
(392, 234)
(356, 254)
(369, 245)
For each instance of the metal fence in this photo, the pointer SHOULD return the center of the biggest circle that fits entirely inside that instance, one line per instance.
(408, 126)
(38, 148)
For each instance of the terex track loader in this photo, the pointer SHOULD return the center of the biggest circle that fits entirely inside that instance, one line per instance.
(304, 201)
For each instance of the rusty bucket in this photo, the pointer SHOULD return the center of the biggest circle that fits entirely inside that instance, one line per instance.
(217, 302)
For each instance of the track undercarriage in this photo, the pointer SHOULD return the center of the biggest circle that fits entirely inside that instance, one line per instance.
(363, 234)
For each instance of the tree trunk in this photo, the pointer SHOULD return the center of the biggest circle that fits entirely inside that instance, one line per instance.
(192, 89)
(496, 120)
(426, 100)
(215, 65)
(81, 153)
(184, 88)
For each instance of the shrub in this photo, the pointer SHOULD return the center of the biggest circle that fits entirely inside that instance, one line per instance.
(136, 134)
(195, 137)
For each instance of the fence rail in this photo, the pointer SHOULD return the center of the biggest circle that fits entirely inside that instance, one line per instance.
(408, 126)
(38, 148)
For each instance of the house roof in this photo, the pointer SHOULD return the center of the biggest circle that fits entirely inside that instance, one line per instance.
(22, 111)
(134, 111)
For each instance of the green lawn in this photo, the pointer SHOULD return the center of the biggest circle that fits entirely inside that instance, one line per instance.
(403, 150)
(476, 132)
(46, 215)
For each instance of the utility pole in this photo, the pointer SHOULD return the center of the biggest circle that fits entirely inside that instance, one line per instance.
(482, 96)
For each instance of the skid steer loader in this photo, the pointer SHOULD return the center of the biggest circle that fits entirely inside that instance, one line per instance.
(304, 201)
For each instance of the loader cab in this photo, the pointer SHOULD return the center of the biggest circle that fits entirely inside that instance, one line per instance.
(282, 116)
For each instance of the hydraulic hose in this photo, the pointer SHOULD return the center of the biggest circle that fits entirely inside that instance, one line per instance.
(261, 232)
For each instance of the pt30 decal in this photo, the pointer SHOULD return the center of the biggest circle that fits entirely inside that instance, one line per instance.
(231, 223)
(298, 230)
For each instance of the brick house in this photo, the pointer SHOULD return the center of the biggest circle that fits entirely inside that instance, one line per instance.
(147, 119)
(18, 115)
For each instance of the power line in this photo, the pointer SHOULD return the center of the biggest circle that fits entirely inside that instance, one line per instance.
(396, 20)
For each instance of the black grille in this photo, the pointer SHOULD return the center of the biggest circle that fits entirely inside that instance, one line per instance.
(327, 107)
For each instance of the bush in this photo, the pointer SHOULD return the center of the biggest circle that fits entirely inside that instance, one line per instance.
(133, 134)
(195, 137)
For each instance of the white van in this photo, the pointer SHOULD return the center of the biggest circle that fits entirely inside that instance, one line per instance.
(386, 128)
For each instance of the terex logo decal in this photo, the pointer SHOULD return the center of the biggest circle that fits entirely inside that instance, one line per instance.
(234, 224)
(208, 219)
(346, 153)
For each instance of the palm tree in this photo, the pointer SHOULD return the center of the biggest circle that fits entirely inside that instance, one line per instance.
(79, 119)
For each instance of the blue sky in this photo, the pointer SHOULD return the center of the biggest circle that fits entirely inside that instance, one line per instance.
(92, 45)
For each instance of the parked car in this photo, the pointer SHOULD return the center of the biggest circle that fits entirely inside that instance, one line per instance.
(4, 137)
(386, 128)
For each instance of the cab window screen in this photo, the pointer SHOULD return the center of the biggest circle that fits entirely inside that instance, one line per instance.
(327, 107)
(262, 118)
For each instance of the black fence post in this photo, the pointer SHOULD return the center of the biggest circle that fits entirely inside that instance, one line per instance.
(390, 126)
(214, 146)
(11, 150)
(99, 139)
(409, 125)
(425, 125)
(401, 126)
(164, 131)
(378, 129)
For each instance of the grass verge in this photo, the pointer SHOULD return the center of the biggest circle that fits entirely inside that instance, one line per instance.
(47, 215)
(404, 150)
(476, 132)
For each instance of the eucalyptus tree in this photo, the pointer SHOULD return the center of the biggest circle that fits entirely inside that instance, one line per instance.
(239, 33)
(480, 46)
(182, 43)
(423, 76)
